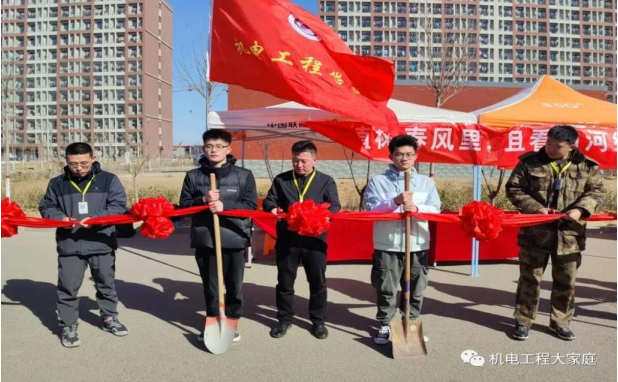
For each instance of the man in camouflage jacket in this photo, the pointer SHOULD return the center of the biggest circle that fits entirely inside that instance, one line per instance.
(557, 179)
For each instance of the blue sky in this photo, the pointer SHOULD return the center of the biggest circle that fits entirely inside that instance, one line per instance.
(190, 19)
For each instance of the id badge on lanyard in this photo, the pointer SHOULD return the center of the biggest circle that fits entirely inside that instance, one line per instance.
(559, 173)
(82, 207)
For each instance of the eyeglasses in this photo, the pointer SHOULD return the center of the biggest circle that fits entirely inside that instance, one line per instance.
(79, 164)
(215, 147)
(405, 155)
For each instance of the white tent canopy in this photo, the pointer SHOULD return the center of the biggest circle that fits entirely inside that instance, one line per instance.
(287, 119)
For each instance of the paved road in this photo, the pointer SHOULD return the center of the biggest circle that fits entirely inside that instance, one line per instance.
(161, 303)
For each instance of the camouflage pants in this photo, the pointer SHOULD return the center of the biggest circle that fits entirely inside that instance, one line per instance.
(532, 264)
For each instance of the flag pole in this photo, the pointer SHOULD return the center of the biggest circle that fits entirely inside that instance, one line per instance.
(207, 60)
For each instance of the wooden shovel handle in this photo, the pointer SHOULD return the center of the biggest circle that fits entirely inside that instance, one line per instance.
(406, 292)
(213, 186)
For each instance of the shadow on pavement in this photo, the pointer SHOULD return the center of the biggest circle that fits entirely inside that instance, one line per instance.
(176, 244)
(181, 304)
(602, 284)
(460, 311)
(40, 299)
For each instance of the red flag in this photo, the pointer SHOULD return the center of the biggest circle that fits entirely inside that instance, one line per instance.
(279, 48)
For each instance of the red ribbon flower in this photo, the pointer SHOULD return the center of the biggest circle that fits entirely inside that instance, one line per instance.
(481, 220)
(10, 210)
(308, 218)
(155, 212)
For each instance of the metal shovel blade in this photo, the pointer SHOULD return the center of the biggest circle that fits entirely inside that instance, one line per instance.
(410, 346)
(219, 333)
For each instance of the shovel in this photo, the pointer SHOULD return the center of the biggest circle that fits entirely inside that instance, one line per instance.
(219, 331)
(407, 336)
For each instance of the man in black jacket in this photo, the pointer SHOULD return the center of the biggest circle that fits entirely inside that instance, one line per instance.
(235, 190)
(82, 192)
(302, 183)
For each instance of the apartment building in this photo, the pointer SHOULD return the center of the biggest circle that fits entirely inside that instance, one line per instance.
(501, 40)
(96, 71)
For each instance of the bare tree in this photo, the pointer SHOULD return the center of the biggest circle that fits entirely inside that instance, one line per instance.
(135, 166)
(359, 190)
(493, 192)
(192, 71)
(7, 83)
(444, 59)
(265, 148)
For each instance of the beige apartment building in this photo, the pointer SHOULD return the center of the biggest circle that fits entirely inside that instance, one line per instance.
(504, 40)
(96, 71)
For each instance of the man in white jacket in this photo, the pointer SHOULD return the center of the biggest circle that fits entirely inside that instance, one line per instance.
(385, 193)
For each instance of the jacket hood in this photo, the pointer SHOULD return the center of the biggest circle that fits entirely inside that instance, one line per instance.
(393, 174)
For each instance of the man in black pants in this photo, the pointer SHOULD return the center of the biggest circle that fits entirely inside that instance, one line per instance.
(302, 183)
(85, 191)
(235, 190)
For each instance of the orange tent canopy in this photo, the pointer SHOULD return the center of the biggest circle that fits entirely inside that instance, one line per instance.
(548, 101)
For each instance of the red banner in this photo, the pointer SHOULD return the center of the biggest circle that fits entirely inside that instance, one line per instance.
(456, 143)
(597, 143)
(279, 48)
(461, 143)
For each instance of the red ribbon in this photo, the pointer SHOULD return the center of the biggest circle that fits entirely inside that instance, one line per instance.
(155, 212)
(309, 218)
(10, 210)
(481, 220)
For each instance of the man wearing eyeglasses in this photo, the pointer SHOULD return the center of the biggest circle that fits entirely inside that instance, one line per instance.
(386, 193)
(235, 189)
(85, 191)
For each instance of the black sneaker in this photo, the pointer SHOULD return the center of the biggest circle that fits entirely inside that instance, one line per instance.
(236, 336)
(563, 333)
(200, 337)
(112, 325)
(521, 332)
(69, 337)
(383, 336)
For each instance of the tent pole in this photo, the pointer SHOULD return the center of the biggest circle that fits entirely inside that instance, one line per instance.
(476, 190)
(242, 162)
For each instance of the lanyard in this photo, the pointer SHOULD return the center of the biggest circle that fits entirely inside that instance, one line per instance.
(557, 170)
(85, 189)
(301, 195)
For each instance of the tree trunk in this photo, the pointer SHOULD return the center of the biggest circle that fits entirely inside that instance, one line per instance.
(135, 194)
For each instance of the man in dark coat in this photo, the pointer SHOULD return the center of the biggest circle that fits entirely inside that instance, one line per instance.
(235, 189)
(82, 192)
(302, 183)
